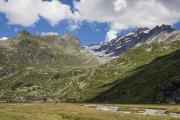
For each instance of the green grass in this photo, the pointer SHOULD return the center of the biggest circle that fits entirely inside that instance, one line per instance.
(53, 67)
(108, 75)
(74, 112)
(41, 66)
(147, 84)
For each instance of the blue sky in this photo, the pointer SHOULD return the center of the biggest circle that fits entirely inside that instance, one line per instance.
(89, 32)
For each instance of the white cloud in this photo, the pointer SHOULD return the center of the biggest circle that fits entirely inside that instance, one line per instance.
(3, 38)
(73, 25)
(28, 12)
(49, 33)
(119, 14)
(119, 5)
(111, 35)
(54, 11)
(94, 27)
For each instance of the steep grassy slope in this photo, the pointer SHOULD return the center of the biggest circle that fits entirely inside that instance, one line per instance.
(106, 76)
(156, 82)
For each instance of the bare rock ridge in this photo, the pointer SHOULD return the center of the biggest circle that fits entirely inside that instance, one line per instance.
(121, 44)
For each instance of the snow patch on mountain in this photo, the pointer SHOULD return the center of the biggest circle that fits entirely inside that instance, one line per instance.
(121, 44)
(91, 49)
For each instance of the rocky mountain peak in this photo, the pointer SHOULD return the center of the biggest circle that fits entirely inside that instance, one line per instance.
(138, 37)
(142, 30)
(71, 40)
(163, 27)
(167, 28)
(24, 33)
(71, 37)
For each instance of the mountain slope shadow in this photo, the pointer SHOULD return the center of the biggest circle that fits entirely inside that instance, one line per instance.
(157, 82)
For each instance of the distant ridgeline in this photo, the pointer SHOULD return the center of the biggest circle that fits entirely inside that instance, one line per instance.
(144, 68)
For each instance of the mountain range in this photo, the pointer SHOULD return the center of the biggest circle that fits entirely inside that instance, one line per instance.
(140, 67)
(139, 36)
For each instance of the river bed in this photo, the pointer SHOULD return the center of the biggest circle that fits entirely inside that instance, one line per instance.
(155, 112)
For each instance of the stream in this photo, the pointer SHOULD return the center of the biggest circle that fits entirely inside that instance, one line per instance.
(157, 112)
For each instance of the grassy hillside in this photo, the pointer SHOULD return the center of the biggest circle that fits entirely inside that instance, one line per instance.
(35, 67)
(156, 82)
(52, 51)
(105, 77)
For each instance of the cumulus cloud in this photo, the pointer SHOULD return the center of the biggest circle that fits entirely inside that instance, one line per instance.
(111, 35)
(73, 25)
(49, 33)
(3, 38)
(173, 5)
(28, 12)
(119, 14)
(122, 14)
(119, 5)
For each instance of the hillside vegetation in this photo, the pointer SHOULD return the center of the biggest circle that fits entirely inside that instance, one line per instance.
(36, 67)
(105, 79)
(42, 68)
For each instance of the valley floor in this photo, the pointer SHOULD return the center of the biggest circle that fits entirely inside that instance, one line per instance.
(13, 111)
